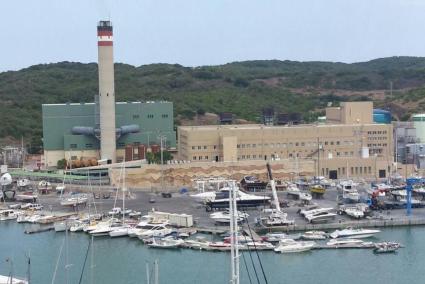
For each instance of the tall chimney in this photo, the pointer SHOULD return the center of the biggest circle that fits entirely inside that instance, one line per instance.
(106, 91)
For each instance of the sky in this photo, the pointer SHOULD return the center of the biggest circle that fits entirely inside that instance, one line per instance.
(210, 32)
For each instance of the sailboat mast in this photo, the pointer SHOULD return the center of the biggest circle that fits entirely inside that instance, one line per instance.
(123, 195)
(234, 247)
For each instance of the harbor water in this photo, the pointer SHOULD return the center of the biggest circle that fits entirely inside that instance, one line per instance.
(124, 260)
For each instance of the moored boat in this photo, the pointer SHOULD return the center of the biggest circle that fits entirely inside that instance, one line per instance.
(291, 246)
(352, 233)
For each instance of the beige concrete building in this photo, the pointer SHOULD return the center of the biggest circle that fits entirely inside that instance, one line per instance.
(349, 144)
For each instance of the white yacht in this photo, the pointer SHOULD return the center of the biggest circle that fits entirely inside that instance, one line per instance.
(104, 230)
(157, 231)
(314, 235)
(8, 214)
(11, 280)
(315, 211)
(320, 217)
(166, 243)
(354, 212)
(290, 246)
(120, 231)
(74, 200)
(224, 216)
(348, 243)
(243, 199)
(354, 233)
(78, 226)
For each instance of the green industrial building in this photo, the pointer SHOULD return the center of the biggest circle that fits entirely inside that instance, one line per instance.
(152, 120)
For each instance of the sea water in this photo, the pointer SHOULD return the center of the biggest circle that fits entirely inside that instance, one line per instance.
(123, 260)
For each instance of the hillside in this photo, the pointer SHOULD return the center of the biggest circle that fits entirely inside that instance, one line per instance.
(243, 88)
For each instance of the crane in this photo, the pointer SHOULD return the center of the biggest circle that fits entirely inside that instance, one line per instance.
(410, 182)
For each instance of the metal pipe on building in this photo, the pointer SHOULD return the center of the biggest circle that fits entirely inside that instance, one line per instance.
(106, 91)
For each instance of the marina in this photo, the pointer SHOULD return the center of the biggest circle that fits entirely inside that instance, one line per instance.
(246, 171)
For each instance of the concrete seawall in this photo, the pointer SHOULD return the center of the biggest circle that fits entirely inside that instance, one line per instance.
(392, 222)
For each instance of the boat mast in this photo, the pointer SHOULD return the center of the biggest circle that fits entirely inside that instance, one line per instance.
(92, 262)
(29, 269)
(234, 247)
(123, 195)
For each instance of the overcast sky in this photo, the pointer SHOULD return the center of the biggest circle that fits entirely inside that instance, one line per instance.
(205, 32)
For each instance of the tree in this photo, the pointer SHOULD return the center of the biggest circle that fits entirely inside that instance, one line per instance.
(155, 158)
(61, 164)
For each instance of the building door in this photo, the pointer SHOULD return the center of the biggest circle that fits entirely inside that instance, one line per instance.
(333, 174)
(382, 174)
(216, 158)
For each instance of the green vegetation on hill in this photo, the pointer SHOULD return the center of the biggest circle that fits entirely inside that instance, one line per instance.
(243, 88)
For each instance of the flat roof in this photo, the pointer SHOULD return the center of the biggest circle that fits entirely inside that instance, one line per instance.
(262, 126)
(136, 102)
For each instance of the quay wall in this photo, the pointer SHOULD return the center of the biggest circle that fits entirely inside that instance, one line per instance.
(182, 175)
(373, 223)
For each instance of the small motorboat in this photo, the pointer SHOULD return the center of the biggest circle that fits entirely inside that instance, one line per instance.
(314, 235)
(352, 233)
(291, 246)
(8, 214)
(386, 247)
(348, 243)
(169, 243)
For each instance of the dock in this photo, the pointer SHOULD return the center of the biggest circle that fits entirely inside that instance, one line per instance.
(212, 230)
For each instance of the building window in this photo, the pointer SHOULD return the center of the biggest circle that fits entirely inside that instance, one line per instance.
(150, 115)
(296, 144)
(194, 158)
(215, 146)
(193, 147)
(302, 144)
(89, 145)
(254, 156)
(73, 146)
(238, 146)
(200, 158)
(352, 170)
(243, 157)
(205, 147)
(165, 116)
(136, 116)
(369, 169)
(199, 147)
(254, 145)
(206, 157)
(121, 144)
(243, 145)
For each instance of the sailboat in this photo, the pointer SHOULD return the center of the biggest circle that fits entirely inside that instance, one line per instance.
(122, 230)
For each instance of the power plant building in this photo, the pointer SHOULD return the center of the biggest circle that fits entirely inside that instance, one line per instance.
(103, 129)
(153, 119)
(348, 144)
